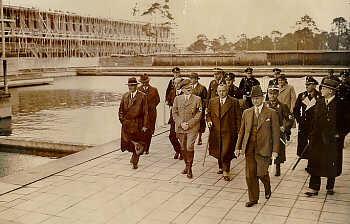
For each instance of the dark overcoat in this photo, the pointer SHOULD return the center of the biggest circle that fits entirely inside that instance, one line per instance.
(286, 121)
(226, 120)
(133, 114)
(330, 125)
(170, 92)
(212, 90)
(201, 91)
(245, 88)
(303, 112)
(234, 92)
(152, 102)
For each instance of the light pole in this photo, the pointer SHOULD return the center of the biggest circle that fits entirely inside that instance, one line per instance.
(3, 56)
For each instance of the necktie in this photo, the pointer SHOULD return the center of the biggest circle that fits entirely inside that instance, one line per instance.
(256, 112)
(221, 101)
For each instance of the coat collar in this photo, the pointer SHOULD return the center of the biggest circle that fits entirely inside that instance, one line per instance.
(224, 108)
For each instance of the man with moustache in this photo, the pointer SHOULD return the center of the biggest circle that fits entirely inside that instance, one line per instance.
(152, 101)
(199, 90)
(330, 125)
(303, 113)
(133, 114)
(246, 84)
(187, 111)
(224, 120)
(258, 140)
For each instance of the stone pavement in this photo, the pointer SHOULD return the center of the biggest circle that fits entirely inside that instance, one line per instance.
(105, 189)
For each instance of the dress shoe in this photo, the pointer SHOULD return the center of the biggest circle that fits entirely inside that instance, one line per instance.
(310, 193)
(268, 195)
(330, 192)
(189, 174)
(134, 166)
(227, 178)
(220, 172)
(184, 171)
(250, 203)
(181, 157)
(176, 156)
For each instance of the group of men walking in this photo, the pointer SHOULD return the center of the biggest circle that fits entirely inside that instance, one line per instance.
(241, 121)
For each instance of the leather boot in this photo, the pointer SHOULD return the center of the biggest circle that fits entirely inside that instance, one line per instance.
(190, 156)
(278, 170)
(183, 153)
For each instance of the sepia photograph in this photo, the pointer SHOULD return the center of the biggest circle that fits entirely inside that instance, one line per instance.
(175, 112)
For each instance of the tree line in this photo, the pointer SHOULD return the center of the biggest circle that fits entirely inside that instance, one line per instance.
(307, 36)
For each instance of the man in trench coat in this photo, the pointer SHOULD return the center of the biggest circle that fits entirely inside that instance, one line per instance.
(133, 114)
(258, 140)
(187, 111)
(152, 101)
(287, 93)
(330, 125)
(224, 120)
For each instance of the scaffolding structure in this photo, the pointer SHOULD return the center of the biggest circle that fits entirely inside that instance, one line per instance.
(31, 32)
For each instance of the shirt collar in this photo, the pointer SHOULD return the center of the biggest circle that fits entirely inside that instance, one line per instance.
(133, 94)
(223, 100)
(260, 107)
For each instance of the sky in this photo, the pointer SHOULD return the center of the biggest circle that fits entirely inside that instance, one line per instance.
(212, 17)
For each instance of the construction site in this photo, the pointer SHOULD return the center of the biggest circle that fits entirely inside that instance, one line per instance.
(31, 32)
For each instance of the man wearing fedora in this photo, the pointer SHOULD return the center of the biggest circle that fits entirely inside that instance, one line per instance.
(303, 113)
(152, 101)
(133, 114)
(224, 120)
(213, 85)
(285, 122)
(246, 84)
(330, 125)
(187, 111)
(199, 90)
(171, 92)
(258, 140)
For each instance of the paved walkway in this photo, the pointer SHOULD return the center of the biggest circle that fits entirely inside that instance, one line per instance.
(105, 189)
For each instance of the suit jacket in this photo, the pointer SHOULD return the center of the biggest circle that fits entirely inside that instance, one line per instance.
(287, 96)
(189, 111)
(133, 114)
(226, 121)
(268, 131)
(152, 101)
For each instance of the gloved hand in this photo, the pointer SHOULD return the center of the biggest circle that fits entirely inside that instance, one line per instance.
(210, 124)
(274, 155)
(184, 125)
(238, 153)
(144, 129)
(282, 129)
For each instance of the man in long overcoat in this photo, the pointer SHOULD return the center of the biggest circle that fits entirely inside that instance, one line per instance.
(199, 90)
(303, 113)
(330, 125)
(287, 93)
(285, 123)
(152, 101)
(224, 119)
(133, 114)
(187, 111)
(258, 140)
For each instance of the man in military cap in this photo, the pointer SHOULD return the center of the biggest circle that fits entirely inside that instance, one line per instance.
(224, 120)
(152, 101)
(276, 73)
(258, 140)
(285, 123)
(233, 90)
(246, 84)
(133, 114)
(218, 78)
(187, 111)
(201, 91)
(330, 125)
(304, 112)
(171, 92)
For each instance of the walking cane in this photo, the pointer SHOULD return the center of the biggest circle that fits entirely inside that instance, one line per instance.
(206, 148)
(301, 156)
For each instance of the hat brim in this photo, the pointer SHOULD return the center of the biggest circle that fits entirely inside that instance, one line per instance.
(132, 84)
(329, 87)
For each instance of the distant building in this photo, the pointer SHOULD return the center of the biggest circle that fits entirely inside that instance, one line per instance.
(31, 32)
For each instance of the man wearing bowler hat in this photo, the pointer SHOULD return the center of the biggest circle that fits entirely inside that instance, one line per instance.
(258, 140)
(330, 125)
(303, 112)
(246, 84)
(201, 91)
(152, 101)
(187, 112)
(133, 114)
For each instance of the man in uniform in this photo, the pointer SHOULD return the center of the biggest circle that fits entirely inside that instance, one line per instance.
(303, 112)
(201, 91)
(187, 111)
(258, 140)
(276, 73)
(152, 101)
(285, 123)
(330, 125)
(233, 90)
(224, 120)
(246, 84)
(218, 78)
(170, 95)
(133, 114)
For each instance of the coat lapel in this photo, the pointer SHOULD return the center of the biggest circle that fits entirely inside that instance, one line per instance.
(216, 106)
(283, 88)
(226, 106)
(131, 101)
(262, 117)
